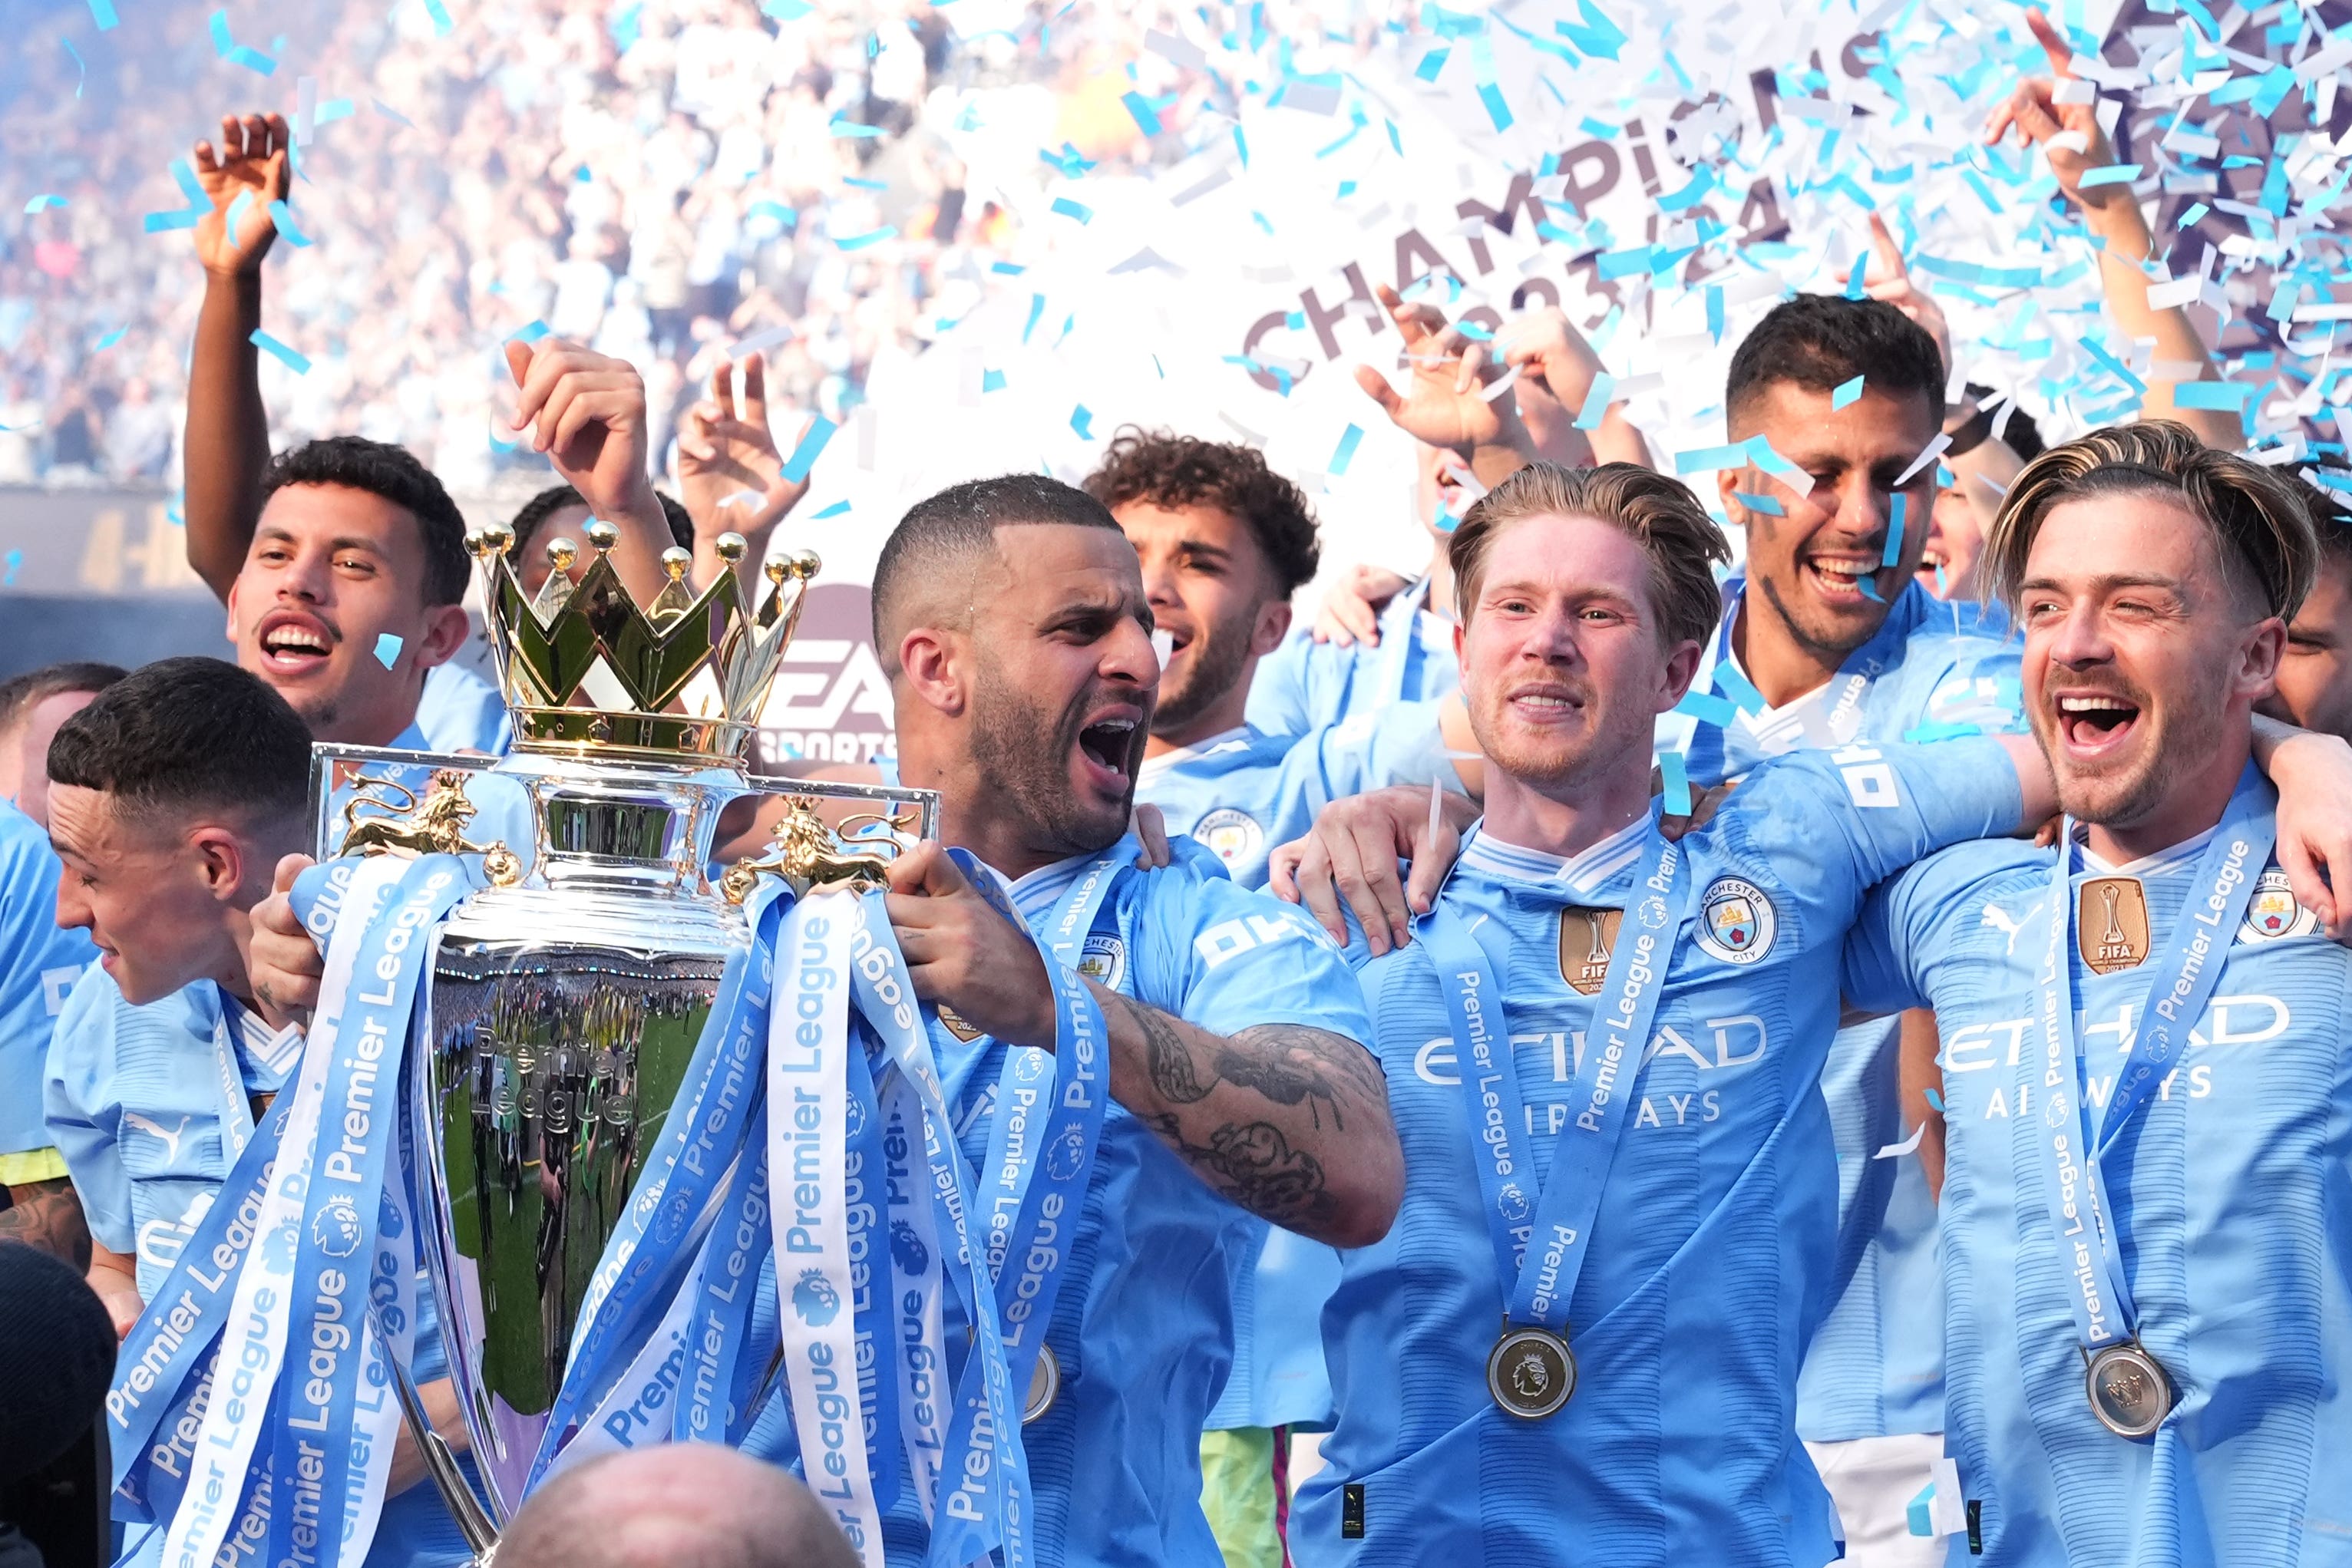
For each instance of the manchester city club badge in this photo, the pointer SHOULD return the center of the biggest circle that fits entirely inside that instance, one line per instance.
(2111, 923)
(2130, 1392)
(1234, 834)
(2272, 913)
(1735, 921)
(1530, 1373)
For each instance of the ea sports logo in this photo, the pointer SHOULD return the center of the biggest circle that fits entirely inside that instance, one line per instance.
(335, 1228)
(1735, 921)
(815, 1299)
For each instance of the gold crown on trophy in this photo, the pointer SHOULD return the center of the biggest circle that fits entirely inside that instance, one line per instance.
(582, 668)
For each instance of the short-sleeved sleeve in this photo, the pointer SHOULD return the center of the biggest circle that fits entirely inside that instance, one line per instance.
(1278, 698)
(1915, 919)
(1400, 744)
(38, 966)
(1977, 689)
(77, 1102)
(1841, 821)
(1227, 959)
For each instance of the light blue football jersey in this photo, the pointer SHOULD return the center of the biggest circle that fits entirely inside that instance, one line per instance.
(137, 1105)
(459, 711)
(38, 966)
(1241, 794)
(2231, 1192)
(1304, 685)
(1143, 1327)
(1876, 1366)
(1711, 1255)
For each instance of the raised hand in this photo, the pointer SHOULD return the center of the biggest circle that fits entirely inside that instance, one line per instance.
(2069, 132)
(1889, 280)
(729, 466)
(587, 412)
(252, 160)
(1440, 406)
(1352, 606)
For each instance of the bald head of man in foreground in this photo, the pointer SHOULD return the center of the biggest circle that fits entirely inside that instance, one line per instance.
(683, 1505)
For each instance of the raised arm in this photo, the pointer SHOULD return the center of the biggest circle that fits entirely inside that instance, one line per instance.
(1440, 406)
(587, 412)
(1547, 347)
(731, 475)
(226, 441)
(1288, 1122)
(2071, 137)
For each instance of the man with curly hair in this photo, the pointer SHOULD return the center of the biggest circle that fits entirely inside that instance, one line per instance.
(1224, 541)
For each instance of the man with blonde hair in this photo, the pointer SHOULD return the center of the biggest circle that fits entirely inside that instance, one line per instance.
(2148, 1112)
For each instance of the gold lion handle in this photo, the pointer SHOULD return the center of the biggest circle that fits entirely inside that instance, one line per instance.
(433, 823)
(812, 857)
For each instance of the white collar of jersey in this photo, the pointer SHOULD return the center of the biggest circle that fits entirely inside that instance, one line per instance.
(1033, 894)
(1156, 767)
(274, 1051)
(1579, 876)
(2175, 861)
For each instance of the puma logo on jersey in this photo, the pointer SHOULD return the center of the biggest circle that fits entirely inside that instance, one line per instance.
(171, 1139)
(1997, 918)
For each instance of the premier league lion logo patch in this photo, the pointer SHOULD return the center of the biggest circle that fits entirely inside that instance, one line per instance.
(1066, 1155)
(336, 1229)
(814, 1299)
(1735, 921)
(907, 1248)
(1233, 835)
(2272, 913)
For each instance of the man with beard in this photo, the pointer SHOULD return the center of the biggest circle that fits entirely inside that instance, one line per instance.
(1224, 542)
(2148, 1254)
(1011, 619)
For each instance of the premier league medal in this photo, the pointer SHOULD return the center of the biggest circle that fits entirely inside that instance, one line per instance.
(2130, 1392)
(1044, 1386)
(1530, 1373)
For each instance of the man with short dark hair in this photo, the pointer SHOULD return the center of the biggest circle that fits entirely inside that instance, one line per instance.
(342, 562)
(2314, 678)
(2147, 1254)
(174, 794)
(38, 962)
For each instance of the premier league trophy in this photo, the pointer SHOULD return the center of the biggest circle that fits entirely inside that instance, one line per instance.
(568, 997)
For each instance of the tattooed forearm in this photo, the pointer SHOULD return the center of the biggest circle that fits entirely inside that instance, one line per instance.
(1167, 1055)
(1255, 1166)
(48, 1215)
(1294, 1066)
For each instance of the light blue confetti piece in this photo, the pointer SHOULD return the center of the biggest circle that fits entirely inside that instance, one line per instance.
(1140, 108)
(15, 563)
(872, 237)
(2283, 300)
(2122, 371)
(1934, 1100)
(2195, 214)
(991, 380)
(391, 113)
(1715, 311)
(836, 509)
(439, 14)
(1846, 392)
(1894, 551)
(334, 109)
(2227, 396)
(387, 649)
(1036, 308)
(1159, 367)
(1707, 708)
(109, 340)
(1701, 183)
(1070, 209)
(785, 10)
(1346, 454)
(852, 179)
(528, 332)
(1768, 505)
(1737, 687)
(1007, 268)
(283, 216)
(81, 67)
(1706, 459)
(1082, 421)
(1474, 331)
(1761, 452)
(1868, 588)
(843, 126)
(1918, 1515)
(804, 454)
(1497, 110)
(2109, 175)
(1596, 401)
(102, 12)
(1396, 142)
(43, 202)
(1675, 797)
(277, 351)
(1431, 63)
(1241, 145)
(1854, 288)
(235, 53)
(157, 223)
(183, 174)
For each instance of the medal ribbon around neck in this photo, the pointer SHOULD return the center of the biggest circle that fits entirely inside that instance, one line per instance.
(1398, 642)
(2169, 1006)
(1708, 756)
(1541, 1242)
